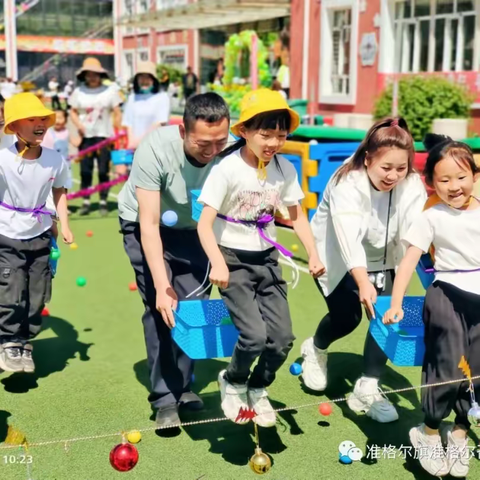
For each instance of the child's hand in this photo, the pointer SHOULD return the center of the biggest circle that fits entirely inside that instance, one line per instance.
(67, 235)
(219, 275)
(316, 267)
(393, 315)
(368, 297)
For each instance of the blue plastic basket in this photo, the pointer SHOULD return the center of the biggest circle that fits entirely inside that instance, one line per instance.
(196, 206)
(402, 342)
(122, 157)
(425, 263)
(204, 329)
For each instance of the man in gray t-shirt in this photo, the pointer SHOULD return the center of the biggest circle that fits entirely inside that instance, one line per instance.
(169, 262)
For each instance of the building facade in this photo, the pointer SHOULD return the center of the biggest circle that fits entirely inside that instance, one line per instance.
(54, 36)
(350, 49)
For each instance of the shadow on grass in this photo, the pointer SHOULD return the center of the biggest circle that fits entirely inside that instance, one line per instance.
(94, 211)
(4, 424)
(51, 355)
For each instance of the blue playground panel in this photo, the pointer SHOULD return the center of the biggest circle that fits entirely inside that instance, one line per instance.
(330, 157)
(425, 263)
(121, 157)
(402, 342)
(204, 329)
(196, 207)
(296, 160)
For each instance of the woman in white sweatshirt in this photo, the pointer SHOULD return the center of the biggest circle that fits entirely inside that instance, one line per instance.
(366, 208)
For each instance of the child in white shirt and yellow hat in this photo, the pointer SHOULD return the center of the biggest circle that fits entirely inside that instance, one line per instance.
(237, 231)
(28, 173)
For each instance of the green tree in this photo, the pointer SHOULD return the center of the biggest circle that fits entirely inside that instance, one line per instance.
(423, 99)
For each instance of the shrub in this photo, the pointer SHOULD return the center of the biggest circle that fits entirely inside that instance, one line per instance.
(423, 99)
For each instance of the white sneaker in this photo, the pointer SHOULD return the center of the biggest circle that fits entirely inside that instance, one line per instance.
(368, 397)
(314, 366)
(234, 397)
(458, 455)
(266, 416)
(429, 451)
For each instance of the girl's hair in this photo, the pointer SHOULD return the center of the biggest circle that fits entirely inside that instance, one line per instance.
(2, 100)
(263, 121)
(65, 113)
(387, 133)
(440, 147)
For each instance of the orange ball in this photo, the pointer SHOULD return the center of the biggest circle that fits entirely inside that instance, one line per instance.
(89, 233)
(325, 409)
(132, 286)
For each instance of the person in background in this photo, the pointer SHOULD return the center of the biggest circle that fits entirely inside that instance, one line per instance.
(67, 92)
(92, 107)
(190, 83)
(53, 86)
(164, 80)
(277, 87)
(6, 141)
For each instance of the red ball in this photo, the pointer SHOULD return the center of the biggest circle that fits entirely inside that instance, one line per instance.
(124, 457)
(89, 233)
(45, 312)
(325, 409)
(132, 286)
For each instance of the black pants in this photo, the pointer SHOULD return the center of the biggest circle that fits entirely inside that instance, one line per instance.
(186, 263)
(86, 166)
(56, 105)
(452, 329)
(25, 286)
(256, 298)
(344, 316)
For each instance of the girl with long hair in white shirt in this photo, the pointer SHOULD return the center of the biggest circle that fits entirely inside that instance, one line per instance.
(367, 205)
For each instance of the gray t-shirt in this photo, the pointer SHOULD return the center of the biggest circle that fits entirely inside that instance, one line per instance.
(160, 165)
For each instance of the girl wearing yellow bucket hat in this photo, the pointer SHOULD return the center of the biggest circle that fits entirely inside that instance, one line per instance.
(95, 109)
(236, 228)
(28, 173)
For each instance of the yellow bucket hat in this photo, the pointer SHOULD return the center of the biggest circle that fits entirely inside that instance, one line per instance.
(25, 105)
(261, 101)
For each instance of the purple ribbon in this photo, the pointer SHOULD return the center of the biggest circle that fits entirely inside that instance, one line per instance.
(36, 212)
(432, 270)
(261, 224)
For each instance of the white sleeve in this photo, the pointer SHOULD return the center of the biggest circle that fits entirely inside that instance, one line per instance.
(115, 99)
(73, 100)
(421, 233)
(347, 217)
(291, 192)
(62, 176)
(215, 189)
(162, 109)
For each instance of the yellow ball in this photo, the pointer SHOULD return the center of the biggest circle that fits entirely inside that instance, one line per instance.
(73, 246)
(294, 247)
(134, 437)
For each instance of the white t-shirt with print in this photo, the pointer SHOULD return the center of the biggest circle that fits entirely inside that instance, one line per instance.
(455, 234)
(27, 184)
(234, 190)
(94, 106)
(374, 240)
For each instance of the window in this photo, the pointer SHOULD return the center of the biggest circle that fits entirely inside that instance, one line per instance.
(128, 64)
(143, 56)
(341, 51)
(434, 35)
(338, 51)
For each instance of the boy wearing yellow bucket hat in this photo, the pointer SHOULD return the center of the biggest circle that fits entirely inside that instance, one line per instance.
(28, 173)
(237, 231)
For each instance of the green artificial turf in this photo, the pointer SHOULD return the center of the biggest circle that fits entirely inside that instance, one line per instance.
(92, 379)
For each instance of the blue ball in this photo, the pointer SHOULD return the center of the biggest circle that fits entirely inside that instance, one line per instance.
(169, 218)
(295, 369)
(345, 459)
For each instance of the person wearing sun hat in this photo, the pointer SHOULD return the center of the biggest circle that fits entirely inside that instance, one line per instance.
(147, 107)
(28, 173)
(92, 107)
(237, 231)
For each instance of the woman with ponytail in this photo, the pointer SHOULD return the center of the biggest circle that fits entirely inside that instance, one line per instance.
(366, 208)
